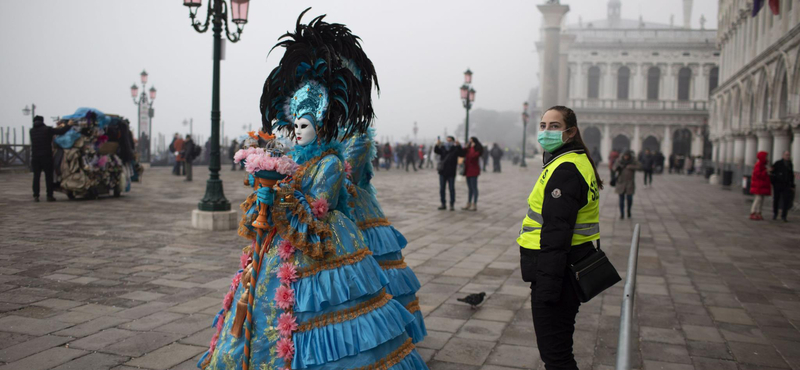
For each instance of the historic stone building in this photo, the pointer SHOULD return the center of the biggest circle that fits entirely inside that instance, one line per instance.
(638, 85)
(757, 104)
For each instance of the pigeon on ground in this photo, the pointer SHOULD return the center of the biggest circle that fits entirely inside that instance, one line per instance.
(473, 299)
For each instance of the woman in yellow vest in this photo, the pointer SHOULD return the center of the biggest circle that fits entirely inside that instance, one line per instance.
(561, 223)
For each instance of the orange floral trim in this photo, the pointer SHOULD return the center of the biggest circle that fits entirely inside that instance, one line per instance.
(393, 264)
(347, 259)
(324, 247)
(246, 219)
(393, 358)
(351, 189)
(348, 314)
(413, 306)
(373, 222)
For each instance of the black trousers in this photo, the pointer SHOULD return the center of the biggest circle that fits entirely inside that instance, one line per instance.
(412, 163)
(451, 180)
(554, 324)
(38, 165)
(648, 175)
(782, 200)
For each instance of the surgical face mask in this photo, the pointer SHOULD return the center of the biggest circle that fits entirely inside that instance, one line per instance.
(304, 131)
(448, 144)
(551, 140)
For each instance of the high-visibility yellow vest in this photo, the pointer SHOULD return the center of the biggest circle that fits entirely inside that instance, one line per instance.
(587, 225)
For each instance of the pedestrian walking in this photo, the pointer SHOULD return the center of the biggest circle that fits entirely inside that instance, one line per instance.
(562, 221)
(625, 170)
(421, 154)
(189, 154)
(472, 169)
(176, 147)
(448, 163)
(485, 158)
(399, 155)
(648, 162)
(410, 154)
(782, 177)
(497, 154)
(759, 185)
(387, 156)
(41, 137)
(673, 159)
(429, 160)
(232, 152)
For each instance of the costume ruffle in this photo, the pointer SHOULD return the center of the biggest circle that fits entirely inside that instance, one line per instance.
(332, 342)
(416, 329)
(402, 281)
(338, 285)
(386, 239)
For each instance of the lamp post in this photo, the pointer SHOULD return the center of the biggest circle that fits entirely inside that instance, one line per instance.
(142, 103)
(32, 111)
(525, 117)
(467, 97)
(189, 123)
(214, 199)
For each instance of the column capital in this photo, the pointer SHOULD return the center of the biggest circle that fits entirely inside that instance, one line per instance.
(553, 13)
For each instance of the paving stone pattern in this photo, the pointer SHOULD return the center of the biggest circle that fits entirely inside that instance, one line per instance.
(126, 283)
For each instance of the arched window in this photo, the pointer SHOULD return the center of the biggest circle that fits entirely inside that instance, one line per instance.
(684, 82)
(594, 83)
(713, 80)
(653, 79)
(623, 77)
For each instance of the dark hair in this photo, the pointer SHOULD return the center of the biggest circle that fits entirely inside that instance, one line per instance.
(478, 145)
(571, 120)
(451, 137)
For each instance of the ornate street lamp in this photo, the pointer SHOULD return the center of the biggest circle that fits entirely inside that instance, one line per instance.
(525, 117)
(142, 102)
(214, 199)
(32, 111)
(467, 97)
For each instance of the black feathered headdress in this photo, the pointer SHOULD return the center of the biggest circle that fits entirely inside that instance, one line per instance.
(327, 62)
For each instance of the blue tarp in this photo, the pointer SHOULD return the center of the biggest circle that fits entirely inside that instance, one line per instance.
(68, 139)
(102, 119)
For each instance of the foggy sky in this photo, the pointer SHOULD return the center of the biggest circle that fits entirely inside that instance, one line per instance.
(62, 55)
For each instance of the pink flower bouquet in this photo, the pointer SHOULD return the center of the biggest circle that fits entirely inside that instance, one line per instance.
(258, 159)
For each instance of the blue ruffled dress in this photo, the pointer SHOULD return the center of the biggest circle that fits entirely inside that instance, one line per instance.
(385, 242)
(346, 318)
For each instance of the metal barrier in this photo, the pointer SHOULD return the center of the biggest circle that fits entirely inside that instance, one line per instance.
(626, 311)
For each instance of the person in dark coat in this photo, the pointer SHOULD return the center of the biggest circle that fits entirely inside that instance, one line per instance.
(472, 169)
(648, 162)
(759, 185)
(485, 158)
(387, 156)
(42, 155)
(448, 152)
(232, 152)
(497, 155)
(411, 155)
(782, 177)
(188, 156)
(625, 168)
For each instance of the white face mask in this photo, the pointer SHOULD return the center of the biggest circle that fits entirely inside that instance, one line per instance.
(304, 131)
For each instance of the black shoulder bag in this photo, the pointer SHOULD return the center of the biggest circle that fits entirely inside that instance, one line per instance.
(593, 274)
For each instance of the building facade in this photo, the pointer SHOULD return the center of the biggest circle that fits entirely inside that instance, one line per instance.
(638, 85)
(756, 106)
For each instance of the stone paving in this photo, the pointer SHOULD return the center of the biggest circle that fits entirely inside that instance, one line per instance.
(126, 283)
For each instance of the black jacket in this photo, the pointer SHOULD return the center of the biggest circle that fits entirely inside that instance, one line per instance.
(782, 176)
(42, 139)
(449, 159)
(496, 153)
(188, 150)
(547, 268)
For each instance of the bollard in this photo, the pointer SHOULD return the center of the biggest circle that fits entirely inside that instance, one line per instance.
(626, 310)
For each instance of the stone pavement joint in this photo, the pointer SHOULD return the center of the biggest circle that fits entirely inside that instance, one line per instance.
(126, 283)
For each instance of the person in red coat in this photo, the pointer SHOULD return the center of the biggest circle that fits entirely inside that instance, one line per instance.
(760, 185)
(472, 169)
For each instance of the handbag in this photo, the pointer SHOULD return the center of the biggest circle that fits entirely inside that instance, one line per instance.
(613, 181)
(593, 274)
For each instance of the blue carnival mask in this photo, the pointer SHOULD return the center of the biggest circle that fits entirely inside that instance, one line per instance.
(550, 140)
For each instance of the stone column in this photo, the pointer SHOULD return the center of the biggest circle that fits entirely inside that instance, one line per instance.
(738, 150)
(697, 142)
(605, 142)
(610, 78)
(666, 144)
(780, 143)
(636, 140)
(723, 153)
(566, 40)
(750, 146)
(796, 149)
(715, 149)
(729, 152)
(764, 141)
(634, 87)
(553, 13)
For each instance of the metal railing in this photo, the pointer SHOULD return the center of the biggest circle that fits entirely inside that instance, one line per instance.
(626, 311)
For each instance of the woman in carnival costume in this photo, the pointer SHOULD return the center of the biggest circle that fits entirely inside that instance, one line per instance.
(385, 242)
(310, 294)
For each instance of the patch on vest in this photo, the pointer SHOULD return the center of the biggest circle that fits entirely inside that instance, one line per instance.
(556, 193)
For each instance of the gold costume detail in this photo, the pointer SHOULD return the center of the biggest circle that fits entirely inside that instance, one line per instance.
(348, 314)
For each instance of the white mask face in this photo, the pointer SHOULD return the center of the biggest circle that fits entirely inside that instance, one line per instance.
(304, 131)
